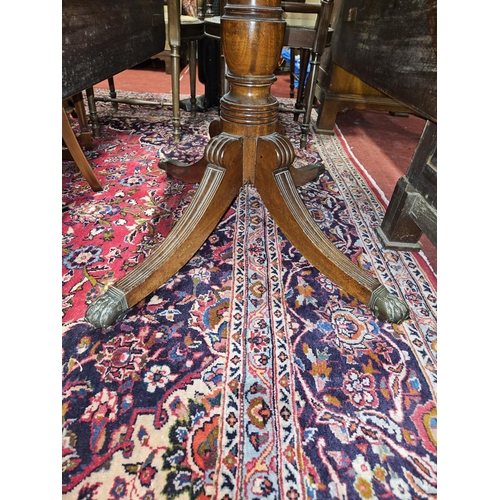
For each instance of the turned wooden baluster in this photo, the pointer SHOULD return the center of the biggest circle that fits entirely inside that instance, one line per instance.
(248, 148)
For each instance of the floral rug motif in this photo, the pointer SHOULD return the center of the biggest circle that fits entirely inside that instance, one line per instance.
(248, 374)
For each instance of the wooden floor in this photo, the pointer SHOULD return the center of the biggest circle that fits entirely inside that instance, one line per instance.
(384, 144)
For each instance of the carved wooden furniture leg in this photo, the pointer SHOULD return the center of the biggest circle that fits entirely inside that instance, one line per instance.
(219, 187)
(85, 133)
(94, 120)
(77, 154)
(248, 149)
(277, 188)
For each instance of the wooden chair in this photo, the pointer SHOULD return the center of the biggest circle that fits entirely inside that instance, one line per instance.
(76, 106)
(139, 33)
(308, 35)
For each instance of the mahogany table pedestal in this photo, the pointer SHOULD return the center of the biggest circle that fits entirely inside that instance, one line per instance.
(246, 146)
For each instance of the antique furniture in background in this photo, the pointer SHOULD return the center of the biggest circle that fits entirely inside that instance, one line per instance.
(100, 39)
(211, 65)
(339, 91)
(76, 106)
(413, 206)
(392, 47)
(180, 30)
(247, 145)
(310, 40)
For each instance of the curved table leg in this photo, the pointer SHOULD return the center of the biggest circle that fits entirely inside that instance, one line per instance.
(308, 173)
(185, 172)
(216, 192)
(77, 154)
(190, 173)
(277, 188)
(193, 173)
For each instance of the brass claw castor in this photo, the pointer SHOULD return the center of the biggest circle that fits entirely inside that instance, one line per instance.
(387, 307)
(108, 308)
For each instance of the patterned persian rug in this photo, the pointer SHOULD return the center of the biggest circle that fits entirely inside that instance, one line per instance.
(248, 374)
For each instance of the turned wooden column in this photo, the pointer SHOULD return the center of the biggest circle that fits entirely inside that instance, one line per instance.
(252, 34)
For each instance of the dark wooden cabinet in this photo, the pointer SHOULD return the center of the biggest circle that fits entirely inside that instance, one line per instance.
(103, 38)
(413, 206)
(390, 47)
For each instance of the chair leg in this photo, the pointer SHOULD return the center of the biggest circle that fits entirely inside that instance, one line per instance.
(176, 113)
(192, 75)
(112, 91)
(94, 120)
(174, 41)
(85, 133)
(77, 154)
(292, 72)
(309, 100)
(304, 61)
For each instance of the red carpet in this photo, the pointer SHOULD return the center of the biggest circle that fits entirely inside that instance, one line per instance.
(248, 374)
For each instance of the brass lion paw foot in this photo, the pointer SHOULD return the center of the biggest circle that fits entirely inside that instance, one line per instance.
(387, 307)
(108, 308)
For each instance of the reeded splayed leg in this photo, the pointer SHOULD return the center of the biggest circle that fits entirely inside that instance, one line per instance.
(213, 197)
(268, 159)
(276, 186)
